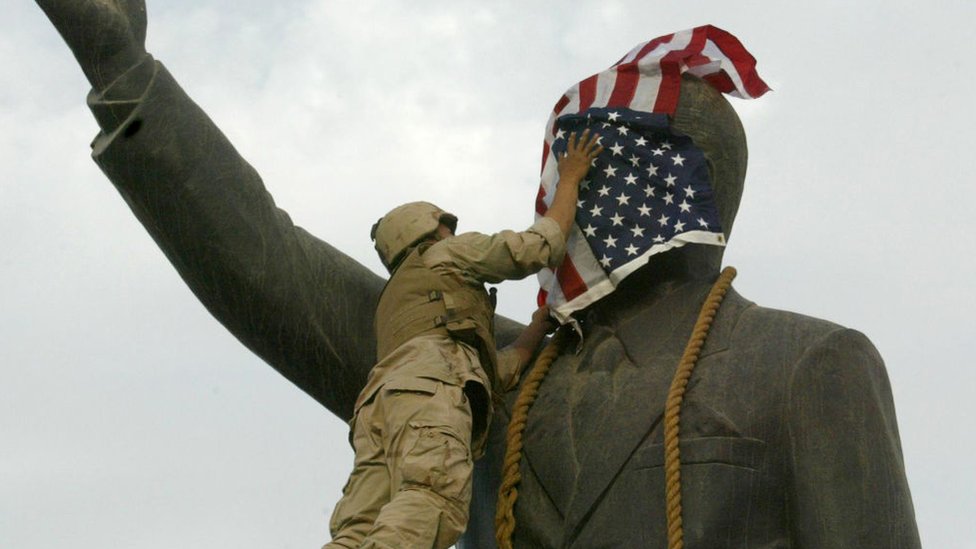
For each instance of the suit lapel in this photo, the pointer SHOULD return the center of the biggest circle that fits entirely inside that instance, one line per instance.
(548, 444)
(628, 410)
(605, 437)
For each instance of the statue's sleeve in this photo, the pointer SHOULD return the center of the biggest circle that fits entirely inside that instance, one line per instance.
(849, 485)
(300, 304)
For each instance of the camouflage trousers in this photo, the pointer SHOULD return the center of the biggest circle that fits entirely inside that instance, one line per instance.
(411, 482)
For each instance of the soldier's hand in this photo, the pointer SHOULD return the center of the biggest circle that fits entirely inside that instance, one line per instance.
(580, 153)
(542, 318)
(107, 37)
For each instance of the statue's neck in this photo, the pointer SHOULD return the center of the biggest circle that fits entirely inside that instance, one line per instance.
(670, 280)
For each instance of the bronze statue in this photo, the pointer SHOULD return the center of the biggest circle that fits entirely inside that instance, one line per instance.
(788, 427)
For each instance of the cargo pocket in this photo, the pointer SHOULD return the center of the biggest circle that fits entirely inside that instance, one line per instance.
(438, 460)
(420, 385)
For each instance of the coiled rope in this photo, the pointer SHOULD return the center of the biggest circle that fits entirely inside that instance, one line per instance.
(511, 476)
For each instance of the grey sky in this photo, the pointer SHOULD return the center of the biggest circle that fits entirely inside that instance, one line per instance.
(130, 418)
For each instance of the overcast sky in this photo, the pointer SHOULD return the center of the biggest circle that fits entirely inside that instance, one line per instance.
(130, 418)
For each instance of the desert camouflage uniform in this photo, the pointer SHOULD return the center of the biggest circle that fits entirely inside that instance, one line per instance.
(421, 419)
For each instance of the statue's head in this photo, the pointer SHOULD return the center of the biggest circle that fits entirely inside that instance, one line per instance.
(706, 116)
(663, 194)
(405, 226)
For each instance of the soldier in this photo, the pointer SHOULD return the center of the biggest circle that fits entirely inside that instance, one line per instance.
(422, 418)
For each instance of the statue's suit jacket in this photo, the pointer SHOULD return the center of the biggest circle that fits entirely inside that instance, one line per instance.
(788, 429)
(788, 436)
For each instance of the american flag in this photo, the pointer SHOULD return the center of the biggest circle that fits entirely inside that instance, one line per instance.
(649, 190)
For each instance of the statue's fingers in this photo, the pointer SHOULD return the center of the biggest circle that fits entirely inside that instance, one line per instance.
(47, 5)
(135, 10)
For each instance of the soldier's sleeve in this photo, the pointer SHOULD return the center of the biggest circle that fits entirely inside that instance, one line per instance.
(849, 486)
(300, 304)
(508, 368)
(507, 255)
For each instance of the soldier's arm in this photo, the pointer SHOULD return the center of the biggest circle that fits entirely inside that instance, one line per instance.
(849, 487)
(510, 255)
(297, 302)
(513, 359)
(505, 255)
(574, 164)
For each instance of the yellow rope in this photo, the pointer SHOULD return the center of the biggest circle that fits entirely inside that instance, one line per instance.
(511, 476)
(672, 407)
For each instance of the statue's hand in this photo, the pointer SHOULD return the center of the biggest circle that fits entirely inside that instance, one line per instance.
(107, 37)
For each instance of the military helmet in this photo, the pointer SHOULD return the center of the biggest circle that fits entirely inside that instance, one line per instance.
(404, 226)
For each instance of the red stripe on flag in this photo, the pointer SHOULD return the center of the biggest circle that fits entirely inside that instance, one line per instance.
(570, 282)
(545, 155)
(745, 63)
(560, 105)
(697, 59)
(587, 92)
(540, 201)
(720, 81)
(649, 47)
(541, 298)
(625, 86)
(671, 65)
(670, 87)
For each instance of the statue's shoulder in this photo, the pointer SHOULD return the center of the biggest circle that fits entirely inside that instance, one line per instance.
(794, 339)
(774, 359)
(757, 322)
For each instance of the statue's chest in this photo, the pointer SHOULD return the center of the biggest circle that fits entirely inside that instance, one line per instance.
(592, 410)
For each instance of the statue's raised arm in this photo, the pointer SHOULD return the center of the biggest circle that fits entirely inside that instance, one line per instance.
(300, 304)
